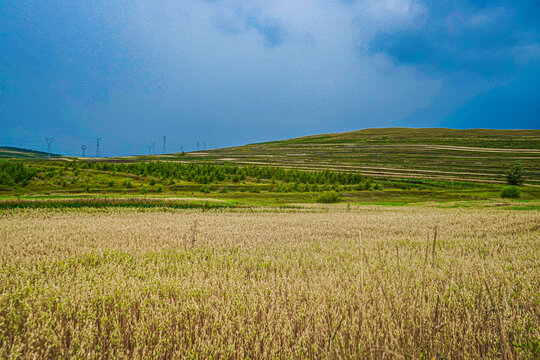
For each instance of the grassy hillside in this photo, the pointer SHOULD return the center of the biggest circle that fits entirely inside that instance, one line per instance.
(507, 139)
(400, 166)
(8, 152)
(475, 155)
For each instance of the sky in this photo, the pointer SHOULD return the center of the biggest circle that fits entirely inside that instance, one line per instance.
(231, 72)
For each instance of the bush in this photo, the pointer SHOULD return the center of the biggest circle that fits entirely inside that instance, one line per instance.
(15, 174)
(328, 197)
(510, 192)
(514, 175)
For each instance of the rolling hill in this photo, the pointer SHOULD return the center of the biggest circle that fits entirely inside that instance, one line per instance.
(8, 152)
(477, 155)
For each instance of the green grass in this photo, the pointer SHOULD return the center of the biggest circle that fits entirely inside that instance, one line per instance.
(55, 180)
(510, 139)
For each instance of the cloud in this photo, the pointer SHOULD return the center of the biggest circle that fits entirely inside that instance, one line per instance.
(480, 37)
(234, 71)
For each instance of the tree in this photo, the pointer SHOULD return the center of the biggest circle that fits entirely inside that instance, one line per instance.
(514, 175)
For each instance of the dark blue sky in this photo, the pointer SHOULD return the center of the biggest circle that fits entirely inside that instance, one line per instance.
(232, 72)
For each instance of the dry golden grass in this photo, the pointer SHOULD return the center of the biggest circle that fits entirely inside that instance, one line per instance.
(265, 284)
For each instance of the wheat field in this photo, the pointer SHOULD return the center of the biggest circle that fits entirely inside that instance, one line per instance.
(270, 283)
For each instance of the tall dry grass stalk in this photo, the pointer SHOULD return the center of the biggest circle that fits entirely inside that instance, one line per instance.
(270, 284)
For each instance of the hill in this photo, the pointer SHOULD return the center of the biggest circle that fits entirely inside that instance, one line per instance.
(8, 152)
(477, 155)
(507, 139)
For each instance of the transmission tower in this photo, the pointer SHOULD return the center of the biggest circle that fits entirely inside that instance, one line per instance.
(83, 148)
(164, 149)
(153, 147)
(97, 146)
(197, 146)
(49, 141)
(149, 149)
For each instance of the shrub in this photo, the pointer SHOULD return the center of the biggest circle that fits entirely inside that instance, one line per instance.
(510, 192)
(514, 175)
(143, 190)
(15, 174)
(328, 197)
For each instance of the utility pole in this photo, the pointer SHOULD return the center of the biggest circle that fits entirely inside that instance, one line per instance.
(83, 148)
(164, 150)
(49, 141)
(97, 146)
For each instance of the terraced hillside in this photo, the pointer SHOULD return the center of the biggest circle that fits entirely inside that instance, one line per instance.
(444, 154)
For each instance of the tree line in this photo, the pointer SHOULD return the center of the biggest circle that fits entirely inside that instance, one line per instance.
(213, 173)
(15, 173)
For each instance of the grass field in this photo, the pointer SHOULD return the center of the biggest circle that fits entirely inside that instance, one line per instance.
(271, 283)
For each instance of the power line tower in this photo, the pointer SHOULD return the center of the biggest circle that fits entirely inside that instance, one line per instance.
(49, 141)
(164, 149)
(197, 146)
(153, 147)
(97, 147)
(149, 149)
(83, 148)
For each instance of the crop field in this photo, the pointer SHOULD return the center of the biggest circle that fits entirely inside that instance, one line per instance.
(424, 281)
